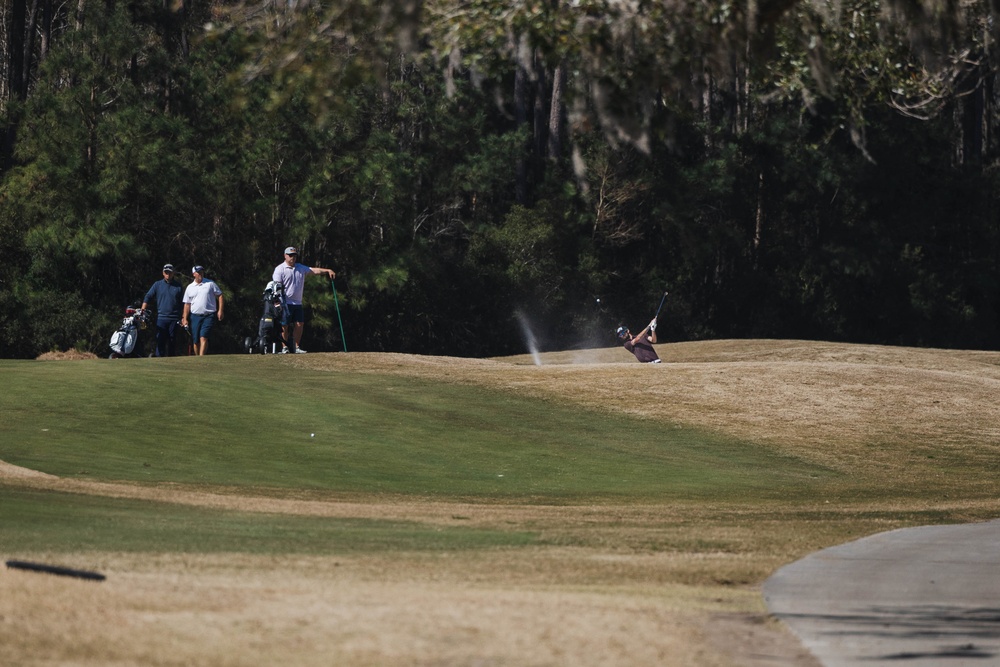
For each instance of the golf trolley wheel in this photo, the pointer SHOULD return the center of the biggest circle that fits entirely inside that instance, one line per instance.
(248, 346)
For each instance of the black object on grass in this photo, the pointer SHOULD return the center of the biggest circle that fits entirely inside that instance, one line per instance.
(55, 569)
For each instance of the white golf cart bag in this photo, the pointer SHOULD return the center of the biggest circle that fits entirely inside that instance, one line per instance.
(123, 341)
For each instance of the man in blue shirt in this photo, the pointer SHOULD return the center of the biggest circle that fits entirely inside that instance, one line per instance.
(166, 294)
(292, 277)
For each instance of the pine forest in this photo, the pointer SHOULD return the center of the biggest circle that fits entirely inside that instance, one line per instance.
(479, 172)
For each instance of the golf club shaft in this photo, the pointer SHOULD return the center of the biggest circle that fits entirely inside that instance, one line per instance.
(336, 304)
(661, 304)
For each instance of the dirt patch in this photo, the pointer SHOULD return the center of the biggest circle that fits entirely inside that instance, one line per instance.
(757, 640)
(68, 355)
(13, 472)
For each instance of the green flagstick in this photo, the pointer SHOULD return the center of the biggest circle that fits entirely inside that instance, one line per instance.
(337, 305)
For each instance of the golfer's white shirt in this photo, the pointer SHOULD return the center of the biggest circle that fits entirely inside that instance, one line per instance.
(202, 297)
(293, 280)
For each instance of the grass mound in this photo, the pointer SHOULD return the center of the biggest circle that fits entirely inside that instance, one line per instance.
(260, 423)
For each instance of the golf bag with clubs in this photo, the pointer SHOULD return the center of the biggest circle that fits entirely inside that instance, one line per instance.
(124, 341)
(270, 336)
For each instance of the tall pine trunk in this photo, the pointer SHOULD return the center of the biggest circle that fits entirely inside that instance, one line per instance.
(521, 109)
(557, 114)
(14, 84)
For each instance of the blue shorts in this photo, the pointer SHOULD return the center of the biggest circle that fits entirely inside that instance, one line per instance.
(295, 313)
(201, 325)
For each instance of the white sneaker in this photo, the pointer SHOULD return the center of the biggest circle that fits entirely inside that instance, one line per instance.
(299, 350)
(284, 350)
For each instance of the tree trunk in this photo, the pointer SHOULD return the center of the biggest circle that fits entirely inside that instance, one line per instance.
(557, 113)
(15, 50)
(29, 46)
(14, 83)
(521, 103)
(540, 124)
(46, 31)
(758, 232)
(81, 5)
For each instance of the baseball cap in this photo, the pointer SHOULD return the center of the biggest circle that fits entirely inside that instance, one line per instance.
(621, 332)
(168, 267)
(198, 268)
(290, 250)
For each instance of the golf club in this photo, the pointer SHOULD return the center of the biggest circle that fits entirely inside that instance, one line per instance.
(336, 304)
(661, 304)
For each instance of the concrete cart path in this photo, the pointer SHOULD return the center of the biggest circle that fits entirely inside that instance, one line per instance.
(918, 597)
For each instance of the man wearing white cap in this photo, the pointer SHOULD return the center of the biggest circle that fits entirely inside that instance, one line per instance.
(292, 277)
(202, 306)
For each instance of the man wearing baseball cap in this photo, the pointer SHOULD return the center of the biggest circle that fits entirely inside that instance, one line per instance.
(292, 277)
(202, 306)
(166, 294)
(642, 345)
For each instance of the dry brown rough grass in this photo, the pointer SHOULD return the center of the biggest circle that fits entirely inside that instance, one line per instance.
(68, 355)
(644, 585)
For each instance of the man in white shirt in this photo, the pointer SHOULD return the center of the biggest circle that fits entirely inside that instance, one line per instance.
(202, 306)
(292, 276)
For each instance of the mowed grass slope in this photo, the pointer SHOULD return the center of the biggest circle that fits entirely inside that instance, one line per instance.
(261, 424)
(597, 510)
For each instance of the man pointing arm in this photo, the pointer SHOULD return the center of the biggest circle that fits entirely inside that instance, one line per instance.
(292, 277)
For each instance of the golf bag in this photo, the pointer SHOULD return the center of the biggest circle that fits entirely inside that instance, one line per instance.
(123, 341)
(269, 336)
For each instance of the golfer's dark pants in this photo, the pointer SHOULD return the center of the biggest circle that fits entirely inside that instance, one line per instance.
(166, 337)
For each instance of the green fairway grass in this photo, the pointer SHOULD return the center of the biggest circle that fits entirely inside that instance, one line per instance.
(248, 422)
(41, 521)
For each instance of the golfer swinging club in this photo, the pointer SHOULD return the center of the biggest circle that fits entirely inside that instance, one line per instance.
(642, 345)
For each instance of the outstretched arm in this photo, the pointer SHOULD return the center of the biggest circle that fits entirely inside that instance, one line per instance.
(320, 271)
